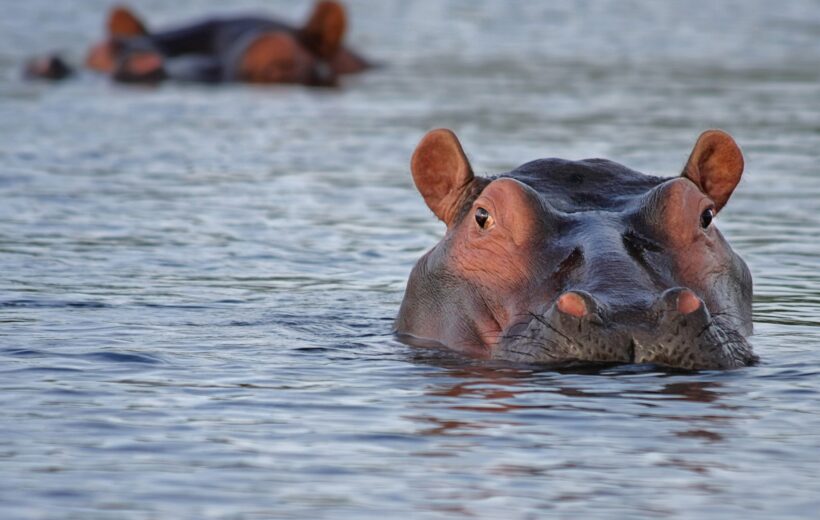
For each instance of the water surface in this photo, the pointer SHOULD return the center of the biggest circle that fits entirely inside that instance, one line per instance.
(198, 284)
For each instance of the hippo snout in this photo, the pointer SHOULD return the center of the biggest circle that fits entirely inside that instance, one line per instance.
(687, 335)
(676, 330)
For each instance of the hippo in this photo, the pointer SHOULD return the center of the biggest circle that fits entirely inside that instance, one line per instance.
(581, 262)
(251, 49)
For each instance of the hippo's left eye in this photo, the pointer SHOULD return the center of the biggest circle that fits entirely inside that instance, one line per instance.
(706, 218)
(483, 218)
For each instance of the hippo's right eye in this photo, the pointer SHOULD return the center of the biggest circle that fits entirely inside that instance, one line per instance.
(483, 218)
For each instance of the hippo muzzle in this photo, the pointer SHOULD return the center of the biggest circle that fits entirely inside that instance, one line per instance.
(676, 331)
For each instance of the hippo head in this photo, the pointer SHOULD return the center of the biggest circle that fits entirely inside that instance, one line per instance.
(302, 56)
(279, 57)
(581, 261)
(121, 24)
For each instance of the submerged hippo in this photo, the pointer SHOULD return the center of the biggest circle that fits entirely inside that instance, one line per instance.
(584, 261)
(249, 49)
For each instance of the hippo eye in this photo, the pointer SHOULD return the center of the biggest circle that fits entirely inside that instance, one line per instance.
(483, 218)
(706, 218)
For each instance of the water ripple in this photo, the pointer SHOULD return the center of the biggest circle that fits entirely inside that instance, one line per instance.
(199, 284)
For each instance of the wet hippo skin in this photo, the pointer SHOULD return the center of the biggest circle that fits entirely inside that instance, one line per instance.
(253, 49)
(585, 261)
(250, 49)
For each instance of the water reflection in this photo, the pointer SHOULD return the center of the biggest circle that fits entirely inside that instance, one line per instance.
(599, 427)
(496, 395)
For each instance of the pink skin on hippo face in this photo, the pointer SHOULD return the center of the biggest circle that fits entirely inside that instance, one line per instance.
(581, 261)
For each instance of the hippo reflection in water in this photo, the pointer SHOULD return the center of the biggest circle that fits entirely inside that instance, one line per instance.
(581, 261)
(250, 49)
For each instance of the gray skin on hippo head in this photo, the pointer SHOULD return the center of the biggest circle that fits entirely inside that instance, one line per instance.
(581, 261)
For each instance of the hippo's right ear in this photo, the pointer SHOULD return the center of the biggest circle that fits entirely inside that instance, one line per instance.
(441, 172)
(325, 29)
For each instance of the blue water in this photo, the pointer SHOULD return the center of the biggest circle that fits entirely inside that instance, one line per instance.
(198, 284)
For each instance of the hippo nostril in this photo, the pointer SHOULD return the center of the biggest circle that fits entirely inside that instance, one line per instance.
(679, 301)
(572, 303)
(688, 302)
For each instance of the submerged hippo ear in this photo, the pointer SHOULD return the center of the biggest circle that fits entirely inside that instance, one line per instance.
(441, 172)
(715, 166)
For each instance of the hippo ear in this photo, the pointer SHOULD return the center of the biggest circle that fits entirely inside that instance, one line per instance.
(123, 23)
(441, 172)
(715, 166)
(325, 29)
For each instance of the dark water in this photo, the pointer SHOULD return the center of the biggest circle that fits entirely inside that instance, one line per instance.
(198, 284)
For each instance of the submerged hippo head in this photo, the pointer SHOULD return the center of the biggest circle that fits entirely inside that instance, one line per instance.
(581, 261)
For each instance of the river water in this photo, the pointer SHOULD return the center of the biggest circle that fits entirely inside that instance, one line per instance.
(197, 284)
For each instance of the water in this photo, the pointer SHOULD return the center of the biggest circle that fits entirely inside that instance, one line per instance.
(198, 284)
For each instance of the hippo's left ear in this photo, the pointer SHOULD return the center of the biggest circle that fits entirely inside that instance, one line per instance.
(441, 172)
(715, 166)
(123, 23)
